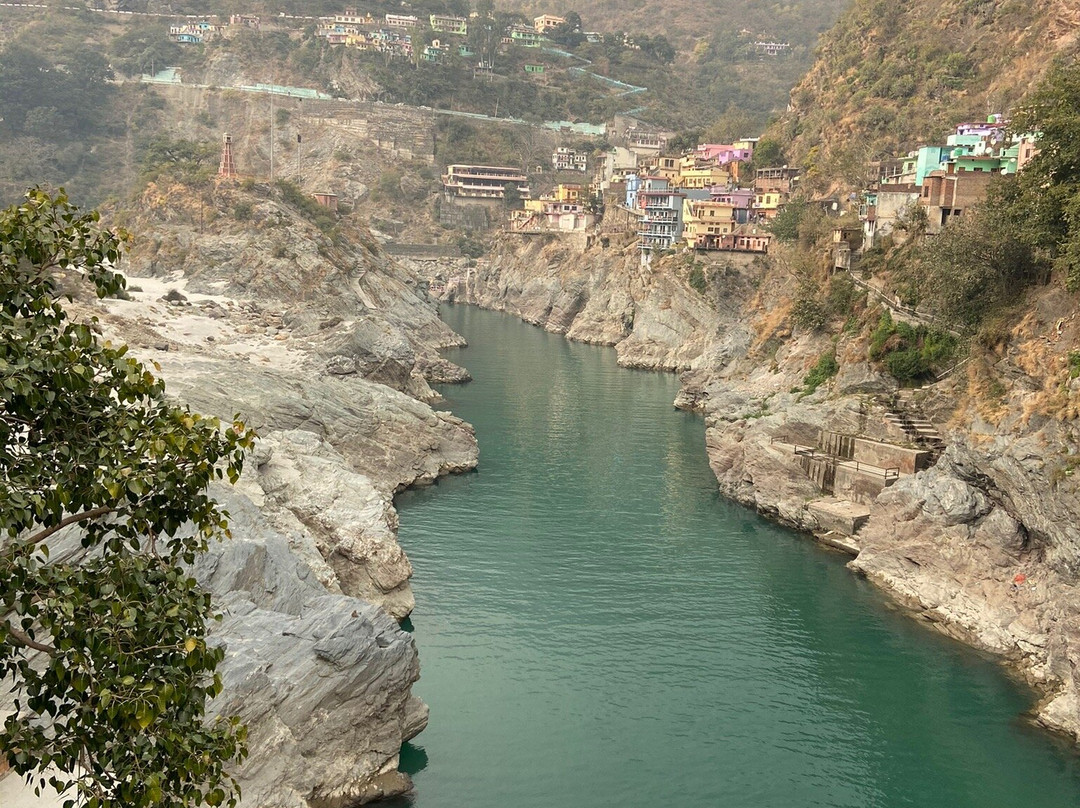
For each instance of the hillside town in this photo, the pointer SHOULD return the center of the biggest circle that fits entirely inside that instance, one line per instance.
(710, 199)
(944, 179)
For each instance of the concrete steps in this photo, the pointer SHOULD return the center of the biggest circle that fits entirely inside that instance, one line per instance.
(903, 414)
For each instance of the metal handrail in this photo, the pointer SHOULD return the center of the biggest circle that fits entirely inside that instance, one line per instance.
(889, 473)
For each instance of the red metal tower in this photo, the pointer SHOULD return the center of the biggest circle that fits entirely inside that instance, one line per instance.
(227, 166)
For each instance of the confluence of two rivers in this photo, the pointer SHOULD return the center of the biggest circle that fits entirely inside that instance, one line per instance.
(597, 627)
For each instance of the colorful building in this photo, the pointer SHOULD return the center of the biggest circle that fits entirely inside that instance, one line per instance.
(568, 193)
(706, 176)
(195, 33)
(525, 36)
(633, 187)
(723, 153)
(705, 222)
(768, 203)
(740, 199)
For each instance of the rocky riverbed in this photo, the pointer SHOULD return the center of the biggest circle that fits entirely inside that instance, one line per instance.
(326, 346)
(983, 545)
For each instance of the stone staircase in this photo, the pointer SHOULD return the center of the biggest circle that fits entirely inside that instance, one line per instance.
(903, 414)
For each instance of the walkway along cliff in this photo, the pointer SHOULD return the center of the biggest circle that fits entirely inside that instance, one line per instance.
(964, 511)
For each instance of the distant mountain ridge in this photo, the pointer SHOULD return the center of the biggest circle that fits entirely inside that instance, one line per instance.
(717, 60)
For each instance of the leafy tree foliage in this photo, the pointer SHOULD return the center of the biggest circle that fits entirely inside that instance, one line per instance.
(103, 500)
(785, 225)
(767, 154)
(910, 353)
(142, 49)
(68, 91)
(978, 263)
(686, 140)
(183, 161)
(1047, 191)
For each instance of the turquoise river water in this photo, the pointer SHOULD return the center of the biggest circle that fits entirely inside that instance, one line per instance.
(597, 627)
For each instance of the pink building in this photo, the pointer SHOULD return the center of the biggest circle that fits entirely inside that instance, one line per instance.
(723, 153)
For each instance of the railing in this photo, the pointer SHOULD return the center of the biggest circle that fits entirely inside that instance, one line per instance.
(896, 306)
(890, 474)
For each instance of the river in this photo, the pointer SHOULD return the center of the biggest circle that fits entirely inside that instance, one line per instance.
(597, 627)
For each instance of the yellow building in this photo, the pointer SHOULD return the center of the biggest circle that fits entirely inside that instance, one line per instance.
(571, 193)
(703, 177)
(666, 167)
(768, 203)
(705, 222)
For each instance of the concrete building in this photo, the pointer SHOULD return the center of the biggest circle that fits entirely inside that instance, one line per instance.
(195, 33)
(633, 187)
(646, 142)
(402, 20)
(705, 222)
(661, 223)
(245, 21)
(618, 164)
(707, 176)
(449, 24)
(524, 36)
(483, 182)
(781, 179)
(566, 159)
(768, 203)
(352, 17)
(569, 193)
(880, 209)
(723, 153)
(740, 199)
(772, 48)
(947, 195)
(547, 22)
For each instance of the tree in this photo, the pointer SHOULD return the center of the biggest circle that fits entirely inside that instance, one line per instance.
(103, 501)
(684, 141)
(977, 264)
(1047, 192)
(75, 81)
(767, 154)
(511, 196)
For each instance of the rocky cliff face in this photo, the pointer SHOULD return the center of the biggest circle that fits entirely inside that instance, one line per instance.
(983, 545)
(605, 296)
(325, 345)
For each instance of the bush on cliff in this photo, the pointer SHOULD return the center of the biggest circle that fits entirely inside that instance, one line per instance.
(103, 501)
(910, 353)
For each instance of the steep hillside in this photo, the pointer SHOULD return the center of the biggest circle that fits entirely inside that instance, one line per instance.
(720, 71)
(892, 75)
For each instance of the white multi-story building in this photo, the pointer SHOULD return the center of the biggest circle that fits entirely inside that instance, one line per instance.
(483, 182)
(661, 224)
(566, 159)
(402, 21)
